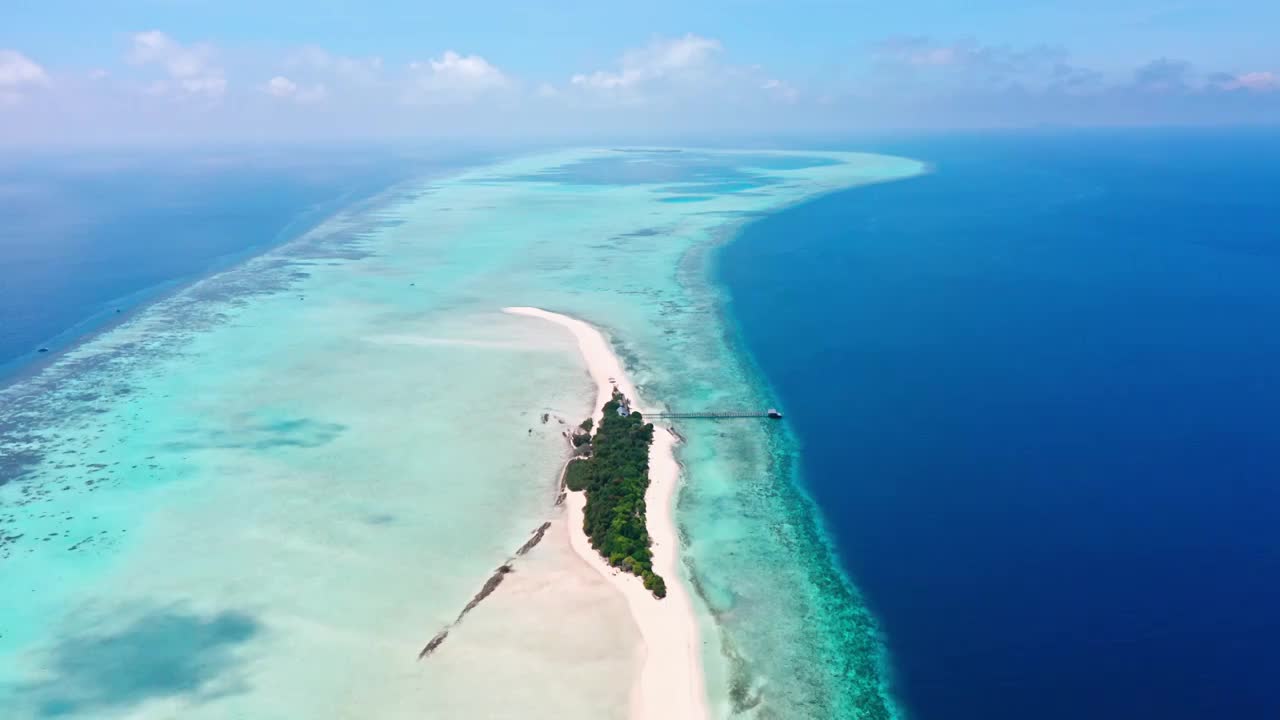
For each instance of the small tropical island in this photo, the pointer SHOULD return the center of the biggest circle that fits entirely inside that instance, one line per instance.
(614, 475)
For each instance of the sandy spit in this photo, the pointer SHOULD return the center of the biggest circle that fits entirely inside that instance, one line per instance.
(671, 685)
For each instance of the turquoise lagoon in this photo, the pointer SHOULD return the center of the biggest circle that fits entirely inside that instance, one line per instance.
(261, 496)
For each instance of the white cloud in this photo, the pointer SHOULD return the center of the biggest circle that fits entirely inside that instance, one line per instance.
(687, 71)
(999, 63)
(920, 51)
(312, 59)
(286, 89)
(685, 82)
(925, 69)
(781, 90)
(312, 74)
(189, 68)
(1164, 76)
(18, 74)
(661, 59)
(1262, 81)
(280, 87)
(453, 78)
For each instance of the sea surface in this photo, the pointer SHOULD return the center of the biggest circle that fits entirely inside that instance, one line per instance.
(263, 489)
(1028, 467)
(1035, 395)
(88, 236)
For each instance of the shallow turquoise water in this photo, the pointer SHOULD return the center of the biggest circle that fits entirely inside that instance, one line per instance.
(292, 462)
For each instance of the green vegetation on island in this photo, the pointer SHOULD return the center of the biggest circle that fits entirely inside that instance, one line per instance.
(615, 477)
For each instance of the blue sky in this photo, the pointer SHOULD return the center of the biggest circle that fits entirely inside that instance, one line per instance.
(193, 69)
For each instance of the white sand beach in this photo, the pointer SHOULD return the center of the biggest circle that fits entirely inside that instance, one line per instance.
(671, 685)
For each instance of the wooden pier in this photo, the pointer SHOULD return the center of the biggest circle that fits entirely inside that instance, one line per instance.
(721, 415)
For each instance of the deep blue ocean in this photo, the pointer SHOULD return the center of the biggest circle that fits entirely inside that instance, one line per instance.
(1038, 394)
(84, 235)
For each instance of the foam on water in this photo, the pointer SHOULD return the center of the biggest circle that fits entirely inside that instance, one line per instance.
(304, 467)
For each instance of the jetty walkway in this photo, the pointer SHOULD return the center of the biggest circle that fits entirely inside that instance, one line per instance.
(718, 415)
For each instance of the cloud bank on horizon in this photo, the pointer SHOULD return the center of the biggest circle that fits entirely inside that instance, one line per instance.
(157, 84)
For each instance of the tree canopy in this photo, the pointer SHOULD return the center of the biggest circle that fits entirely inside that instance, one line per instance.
(615, 479)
